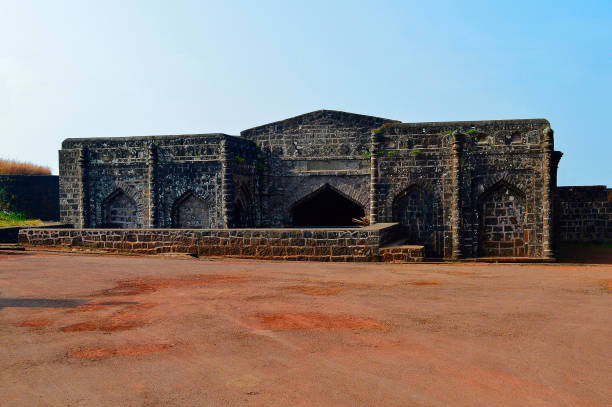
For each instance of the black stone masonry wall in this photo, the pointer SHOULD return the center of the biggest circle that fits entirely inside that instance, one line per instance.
(35, 195)
(460, 189)
(584, 214)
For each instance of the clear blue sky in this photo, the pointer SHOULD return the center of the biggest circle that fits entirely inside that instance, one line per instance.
(132, 68)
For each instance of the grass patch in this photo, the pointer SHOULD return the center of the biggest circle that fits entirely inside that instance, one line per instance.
(17, 219)
(11, 167)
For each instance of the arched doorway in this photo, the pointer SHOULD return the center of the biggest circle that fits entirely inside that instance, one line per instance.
(243, 208)
(190, 212)
(326, 207)
(501, 228)
(415, 209)
(120, 211)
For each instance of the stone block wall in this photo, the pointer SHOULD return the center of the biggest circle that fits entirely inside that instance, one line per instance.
(151, 181)
(461, 189)
(584, 214)
(442, 180)
(35, 195)
(276, 244)
(303, 153)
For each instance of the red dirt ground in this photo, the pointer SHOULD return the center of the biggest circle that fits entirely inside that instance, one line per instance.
(141, 286)
(93, 353)
(176, 332)
(314, 290)
(36, 322)
(296, 321)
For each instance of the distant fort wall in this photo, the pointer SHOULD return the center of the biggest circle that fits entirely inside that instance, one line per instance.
(584, 214)
(35, 195)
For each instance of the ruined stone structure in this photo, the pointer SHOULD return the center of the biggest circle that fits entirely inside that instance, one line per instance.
(459, 189)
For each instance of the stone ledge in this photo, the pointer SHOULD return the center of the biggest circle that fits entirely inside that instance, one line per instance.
(351, 244)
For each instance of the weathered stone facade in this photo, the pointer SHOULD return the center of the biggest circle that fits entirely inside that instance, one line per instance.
(460, 189)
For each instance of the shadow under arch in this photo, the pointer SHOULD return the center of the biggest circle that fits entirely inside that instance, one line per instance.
(244, 211)
(501, 222)
(119, 210)
(325, 207)
(190, 211)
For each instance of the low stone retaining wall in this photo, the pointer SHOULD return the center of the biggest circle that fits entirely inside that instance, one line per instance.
(352, 244)
(11, 234)
(402, 254)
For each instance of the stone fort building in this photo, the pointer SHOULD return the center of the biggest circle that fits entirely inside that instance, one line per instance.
(460, 189)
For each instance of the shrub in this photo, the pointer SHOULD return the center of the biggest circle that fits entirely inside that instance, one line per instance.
(11, 167)
(16, 219)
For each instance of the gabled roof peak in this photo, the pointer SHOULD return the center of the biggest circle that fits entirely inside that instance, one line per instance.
(321, 116)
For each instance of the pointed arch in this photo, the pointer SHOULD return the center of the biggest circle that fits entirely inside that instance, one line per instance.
(417, 211)
(326, 206)
(501, 230)
(244, 216)
(120, 210)
(191, 211)
(501, 183)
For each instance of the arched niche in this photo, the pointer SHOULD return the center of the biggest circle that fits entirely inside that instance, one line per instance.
(120, 211)
(243, 208)
(191, 211)
(415, 209)
(501, 231)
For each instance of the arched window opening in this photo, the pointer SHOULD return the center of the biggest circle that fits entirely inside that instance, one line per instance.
(326, 207)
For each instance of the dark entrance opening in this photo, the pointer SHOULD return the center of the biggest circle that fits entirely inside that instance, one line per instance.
(326, 207)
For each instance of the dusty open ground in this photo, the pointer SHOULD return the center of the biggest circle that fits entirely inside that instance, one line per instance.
(83, 330)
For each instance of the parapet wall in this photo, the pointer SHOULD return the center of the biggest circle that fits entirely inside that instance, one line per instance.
(584, 214)
(35, 195)
(275, 244)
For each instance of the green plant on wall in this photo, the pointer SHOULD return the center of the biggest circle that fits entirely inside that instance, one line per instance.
(5, 200)
(240, 159)
(415, 152)
(367, 154)
(472, 131)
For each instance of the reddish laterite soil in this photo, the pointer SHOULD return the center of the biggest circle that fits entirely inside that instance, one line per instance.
(92, 330)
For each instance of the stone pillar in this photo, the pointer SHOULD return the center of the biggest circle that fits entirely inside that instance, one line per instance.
(374, 147)
(456, 197)
(151, 181)
(83, 188)
(547, 195)
(227, 185)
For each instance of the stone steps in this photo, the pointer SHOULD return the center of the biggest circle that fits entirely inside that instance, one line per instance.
(399, 252)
